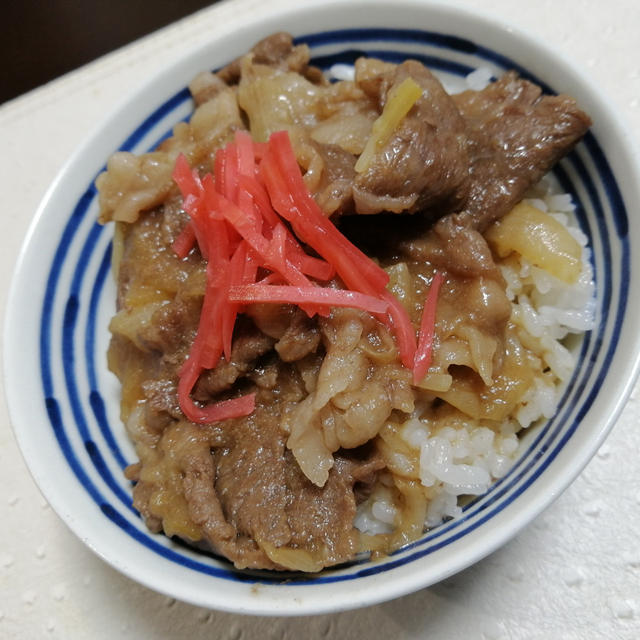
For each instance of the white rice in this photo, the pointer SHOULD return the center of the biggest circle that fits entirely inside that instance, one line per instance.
(466, 460)
(479, 78)
(341, 72)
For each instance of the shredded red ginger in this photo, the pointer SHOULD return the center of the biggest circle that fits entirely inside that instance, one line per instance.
(422, 359)
(249, 218)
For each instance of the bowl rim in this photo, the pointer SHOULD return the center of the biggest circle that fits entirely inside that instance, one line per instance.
(377, 590)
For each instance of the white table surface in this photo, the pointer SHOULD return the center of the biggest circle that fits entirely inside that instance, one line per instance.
(573, 573)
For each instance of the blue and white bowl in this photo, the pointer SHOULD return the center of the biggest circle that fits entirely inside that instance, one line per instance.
(65, 404)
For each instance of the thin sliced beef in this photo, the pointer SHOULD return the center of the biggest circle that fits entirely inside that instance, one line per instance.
(301, 338)
(249, 345)
(246, 492)
(276, 50)
(424, 165)
(515, 136)
(334, 194)
(454, 247)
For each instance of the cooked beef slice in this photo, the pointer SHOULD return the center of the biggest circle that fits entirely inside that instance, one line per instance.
(276, 50)
(334, 193)
(424, 165)
(249, 345)
(266, 498)
(515, 135)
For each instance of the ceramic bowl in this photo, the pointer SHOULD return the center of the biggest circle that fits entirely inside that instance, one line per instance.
(64, 403)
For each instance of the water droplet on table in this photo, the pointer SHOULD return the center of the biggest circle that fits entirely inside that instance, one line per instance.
(621, 608)
(515, 573)
(573, 577)
(6, 560)
(593, 509)
(492, 630)
(59, 592)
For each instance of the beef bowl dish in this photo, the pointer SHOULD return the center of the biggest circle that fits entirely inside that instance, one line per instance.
(339, 311)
